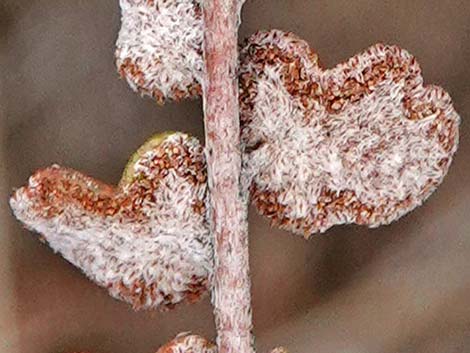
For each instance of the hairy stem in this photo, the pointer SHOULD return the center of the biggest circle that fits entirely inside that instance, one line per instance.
(231, 283)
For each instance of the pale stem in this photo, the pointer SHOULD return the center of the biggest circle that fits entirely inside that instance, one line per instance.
(231, 296)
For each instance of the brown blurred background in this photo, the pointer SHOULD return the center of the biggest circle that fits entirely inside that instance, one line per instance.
(398, 289)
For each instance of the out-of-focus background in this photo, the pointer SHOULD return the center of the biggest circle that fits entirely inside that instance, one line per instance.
(397, 289)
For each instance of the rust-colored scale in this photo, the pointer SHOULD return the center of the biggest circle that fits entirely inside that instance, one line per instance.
(133, 68)
(138, 293)
(188, 343)
(57, 187)
(329, 202)
(333, 90)
(117, 235)
(132, 71)
(332, 96)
